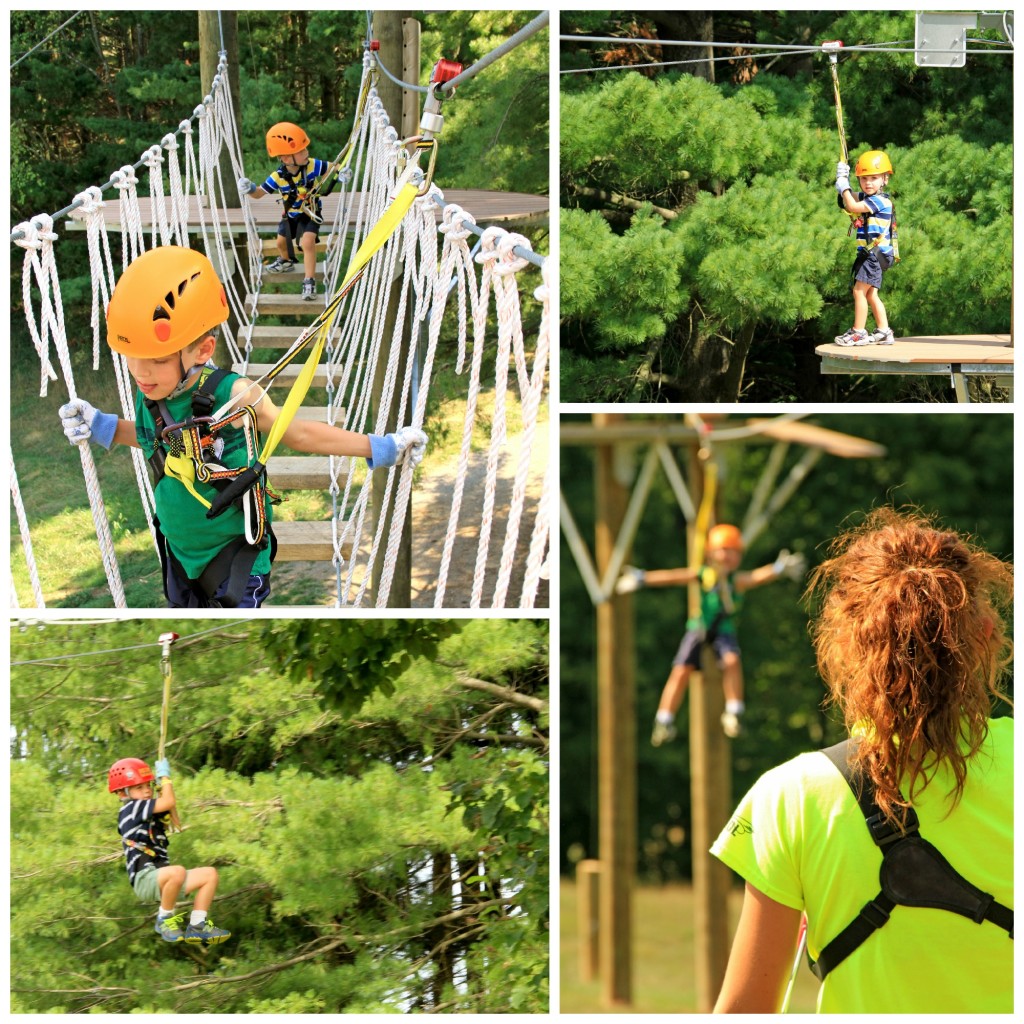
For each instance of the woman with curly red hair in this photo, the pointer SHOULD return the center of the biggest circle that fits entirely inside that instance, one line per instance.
(911, 643)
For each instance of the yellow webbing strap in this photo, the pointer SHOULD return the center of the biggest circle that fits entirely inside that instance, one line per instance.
(707, 504)
(182, 469)
(381, 232)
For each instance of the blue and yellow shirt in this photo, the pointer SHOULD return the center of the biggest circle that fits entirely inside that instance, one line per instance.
(294, 188)
(877, 224)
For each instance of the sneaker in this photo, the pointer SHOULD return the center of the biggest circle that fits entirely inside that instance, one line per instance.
(309, 288)
(854, 337)
(206, 933)
(280, 265)
(170, 928)
(882, 337)
(731, 724)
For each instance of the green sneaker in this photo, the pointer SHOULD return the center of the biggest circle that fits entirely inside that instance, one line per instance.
(171, 929)
(206, 933)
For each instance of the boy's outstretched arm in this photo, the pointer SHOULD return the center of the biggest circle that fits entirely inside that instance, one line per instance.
(633, 579)
(787, 564)
(322, 439)
(83, 422)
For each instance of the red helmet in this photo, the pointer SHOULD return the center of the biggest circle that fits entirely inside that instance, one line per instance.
(129, 771)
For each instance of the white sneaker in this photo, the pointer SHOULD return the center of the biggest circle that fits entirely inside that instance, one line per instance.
(854, 337)
(882, 336)
(731, 724)
(309, 288)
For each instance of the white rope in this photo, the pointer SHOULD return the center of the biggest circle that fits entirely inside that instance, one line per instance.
(429, 283)
(37, 241)
(26, 540)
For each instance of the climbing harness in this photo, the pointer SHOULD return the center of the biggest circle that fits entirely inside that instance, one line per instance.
(166, 641)
(913, 874)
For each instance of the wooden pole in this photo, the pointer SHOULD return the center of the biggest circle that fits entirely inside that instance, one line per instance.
(616, 737)
(588, 881)
(395, 52)
(709, 800)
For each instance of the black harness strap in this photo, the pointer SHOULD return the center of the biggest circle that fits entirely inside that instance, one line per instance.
(913, 874)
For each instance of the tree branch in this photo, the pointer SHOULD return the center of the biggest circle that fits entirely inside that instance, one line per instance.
(505, 693)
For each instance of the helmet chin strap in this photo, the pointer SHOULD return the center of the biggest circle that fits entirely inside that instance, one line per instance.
(186, 377)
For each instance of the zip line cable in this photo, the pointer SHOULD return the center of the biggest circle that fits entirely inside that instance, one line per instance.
(666, 63)
(795, 48)
(530, 29)
(50, 36)
(119, 650)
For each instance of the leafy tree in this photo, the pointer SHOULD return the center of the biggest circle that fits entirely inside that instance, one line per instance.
(751, 271)
(381, 848)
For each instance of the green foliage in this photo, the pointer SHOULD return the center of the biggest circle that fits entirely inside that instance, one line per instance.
(741, 173)
(348, 876)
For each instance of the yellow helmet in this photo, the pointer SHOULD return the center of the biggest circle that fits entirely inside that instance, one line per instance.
(725, 535)
(286, 138)
(167, 299)
(874, 161)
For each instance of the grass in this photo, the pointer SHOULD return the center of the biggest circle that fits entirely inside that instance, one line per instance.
(663, 955)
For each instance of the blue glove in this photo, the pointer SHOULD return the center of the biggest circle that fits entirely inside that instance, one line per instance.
(407, 443)
(82, 423)
(163, 769)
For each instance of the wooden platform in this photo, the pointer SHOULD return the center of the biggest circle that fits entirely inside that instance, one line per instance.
(955, 355)
(486, 207)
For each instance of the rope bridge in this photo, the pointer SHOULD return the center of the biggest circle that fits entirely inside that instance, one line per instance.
(429, 265)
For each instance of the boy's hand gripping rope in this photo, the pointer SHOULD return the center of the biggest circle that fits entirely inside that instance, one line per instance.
(166, 641)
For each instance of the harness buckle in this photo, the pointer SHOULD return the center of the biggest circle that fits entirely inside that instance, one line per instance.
(884, 832)
(874, 914)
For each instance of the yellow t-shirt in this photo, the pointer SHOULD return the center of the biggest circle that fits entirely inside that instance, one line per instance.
(799, 837)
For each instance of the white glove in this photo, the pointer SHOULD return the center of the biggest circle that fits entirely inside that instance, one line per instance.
(245, 186)
(82, 422)
(790, 565)
(410, 445)
(842, 183)
(631, 580)
(842, 170)
(664, 728)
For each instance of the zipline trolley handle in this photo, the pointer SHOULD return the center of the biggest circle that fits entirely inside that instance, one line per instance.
(832, 48)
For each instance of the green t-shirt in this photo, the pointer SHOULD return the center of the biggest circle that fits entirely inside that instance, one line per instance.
(719, 602)
(799, 837)
(192, 538)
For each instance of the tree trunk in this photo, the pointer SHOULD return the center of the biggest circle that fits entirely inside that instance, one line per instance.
(695, 25)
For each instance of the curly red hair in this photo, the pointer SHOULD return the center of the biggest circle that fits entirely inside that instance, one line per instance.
(910, 639)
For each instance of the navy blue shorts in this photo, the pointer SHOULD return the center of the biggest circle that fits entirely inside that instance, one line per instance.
(181, 595)
(870, 265)
(693, 640)
(296, 227)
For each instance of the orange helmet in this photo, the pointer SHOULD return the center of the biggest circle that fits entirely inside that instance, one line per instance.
(874, 161)
(286, 138)
(129, 771)
(725, 536)
(167, 299)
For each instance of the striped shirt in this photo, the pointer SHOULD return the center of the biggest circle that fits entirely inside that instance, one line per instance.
(138, 823)
(294, 188)
(877, 224)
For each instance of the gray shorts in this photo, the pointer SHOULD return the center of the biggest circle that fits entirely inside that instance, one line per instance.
(146, 888)
(693, 640)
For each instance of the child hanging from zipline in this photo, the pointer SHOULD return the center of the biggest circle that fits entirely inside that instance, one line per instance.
(721, 589)
(163, 317)
(876, 241)
(293, 179)
(142, 823)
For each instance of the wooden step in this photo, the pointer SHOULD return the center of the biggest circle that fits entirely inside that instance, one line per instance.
(306, 542)
(301, 473)
(273, 337)
(292, 277)
(291, 304)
